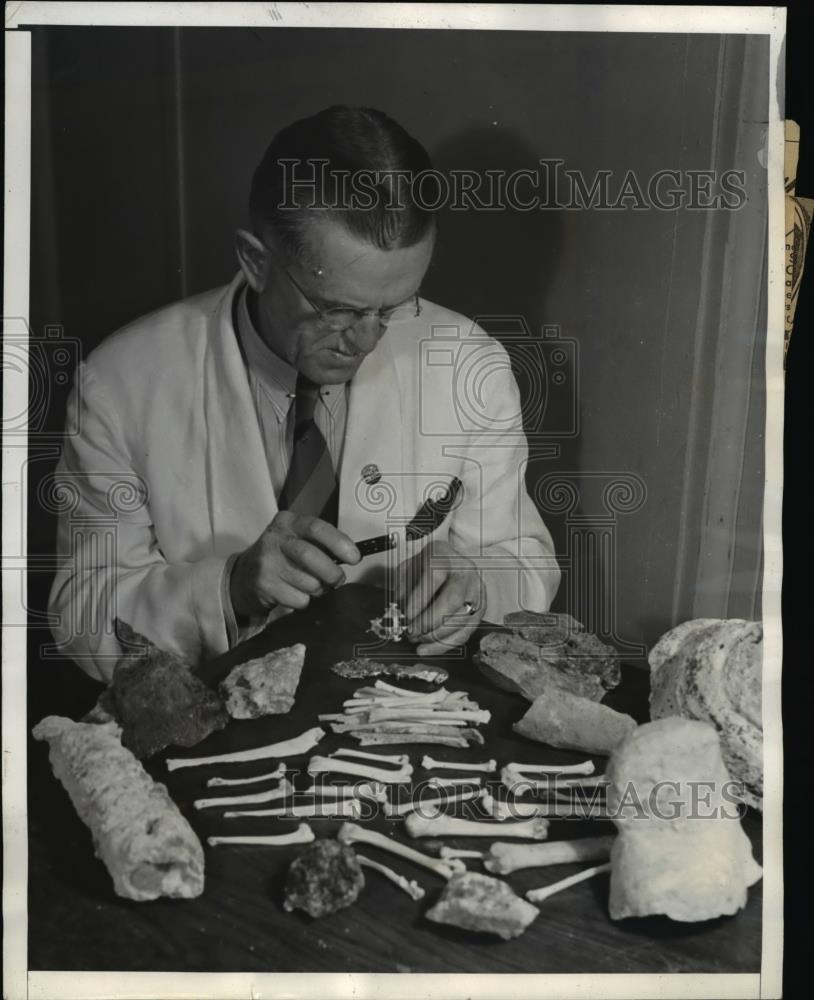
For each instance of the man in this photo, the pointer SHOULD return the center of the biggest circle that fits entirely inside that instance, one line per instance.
(257, 431)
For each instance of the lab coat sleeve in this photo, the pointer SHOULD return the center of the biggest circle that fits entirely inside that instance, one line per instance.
(498, 525)
(110, 560)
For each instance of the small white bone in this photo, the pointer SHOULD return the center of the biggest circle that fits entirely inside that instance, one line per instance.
(402, 808)
(538, 895)
(586, 767)
(513, 809)
(320, 765)
(352, 833)
(365, 790)
(384, 686)
(451, 826)
(503, 859)
(413, 889)
(288, 748)
(284, 788)
(278, 772)
(379, 739)
(384, 758)
(520, 785)
(302, 835)
(361, 723)
(458, 852)
(342, 808)
(383, 697)
(437, 782)
(517, 808)
(429, 764)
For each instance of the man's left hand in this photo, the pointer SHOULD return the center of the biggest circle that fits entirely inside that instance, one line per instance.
(436, 588)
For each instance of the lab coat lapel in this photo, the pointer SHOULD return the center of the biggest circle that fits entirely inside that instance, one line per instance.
(241, 494)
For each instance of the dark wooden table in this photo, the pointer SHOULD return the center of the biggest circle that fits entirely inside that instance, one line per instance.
(238, 924)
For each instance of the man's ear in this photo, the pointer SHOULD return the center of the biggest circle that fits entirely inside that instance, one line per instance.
(253, 258)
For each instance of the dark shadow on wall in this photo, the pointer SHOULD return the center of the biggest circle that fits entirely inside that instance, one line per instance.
(496, 267)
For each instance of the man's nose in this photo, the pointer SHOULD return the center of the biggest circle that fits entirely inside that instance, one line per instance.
(363, 336)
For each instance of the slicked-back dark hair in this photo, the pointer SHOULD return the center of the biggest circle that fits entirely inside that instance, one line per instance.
(354, 142)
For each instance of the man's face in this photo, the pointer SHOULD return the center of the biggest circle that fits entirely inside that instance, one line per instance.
(354, 275)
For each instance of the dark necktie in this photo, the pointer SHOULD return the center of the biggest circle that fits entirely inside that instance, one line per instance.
(310, 485)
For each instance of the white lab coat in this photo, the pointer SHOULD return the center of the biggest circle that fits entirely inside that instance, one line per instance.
(164, 473)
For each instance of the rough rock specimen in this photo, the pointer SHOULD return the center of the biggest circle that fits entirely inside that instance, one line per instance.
(681, 850)
(265, 686)
(535, 652)
(568, 721)
(325, 878)
(710, 669)
(157, 700)
(146, 844)
(363, 667)
(481, 903)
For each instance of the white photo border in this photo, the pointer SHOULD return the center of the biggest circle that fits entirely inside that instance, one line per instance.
(19, 982)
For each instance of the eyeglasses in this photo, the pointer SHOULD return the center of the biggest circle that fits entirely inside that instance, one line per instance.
(341, 318)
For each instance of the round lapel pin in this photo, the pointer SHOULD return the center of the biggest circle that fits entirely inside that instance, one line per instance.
(371, 474)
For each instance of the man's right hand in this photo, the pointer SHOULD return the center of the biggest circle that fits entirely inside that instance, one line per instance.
(291, 562)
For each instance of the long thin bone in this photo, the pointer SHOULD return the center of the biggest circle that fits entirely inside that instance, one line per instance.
(451, 826)
(402, 808)
(366, 790)
(412, 888)
(383, 758)
(586, 767)
(467, 715)
(284, 788)
(288, 748)
(430, 764)
(436, 782)
(513, 809)
(555, 788)
(218, 782)
(517, 808)
(555, 810)
(458, 852)
(384, 698)
(380, 739)
(319, 765)
(352, 833)
(450, 702)
(302, 835)
(393, 689)
(350, 723)
(503, 859)
(538, 895)
(342, 808)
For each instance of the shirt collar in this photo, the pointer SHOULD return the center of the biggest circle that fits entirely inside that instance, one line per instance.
(277, 376)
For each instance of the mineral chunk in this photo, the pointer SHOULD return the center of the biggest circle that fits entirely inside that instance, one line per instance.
(710, 669)
(536, 652)
(568, 721)
(363, 667)
(146, 844)
(681, 850)
(481, 903)
(265, 686)
(325, 878)
(157, 700)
